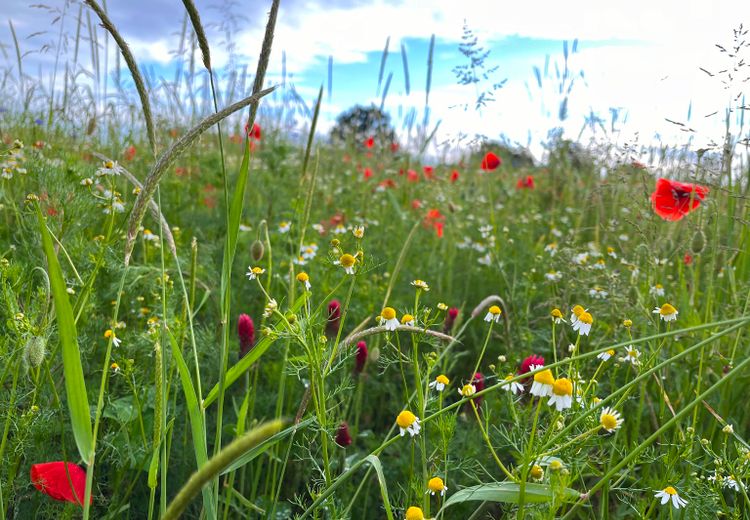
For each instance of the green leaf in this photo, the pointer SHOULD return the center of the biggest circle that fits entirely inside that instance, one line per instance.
(509, 492)
(263, 446)
(197, 426)
(75, 384)
(375, 462)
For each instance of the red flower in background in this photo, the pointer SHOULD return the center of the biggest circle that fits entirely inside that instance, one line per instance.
(51, 478)
(129, 153)
(255, 133)
(673, 200)
(526, 365)
(454, 175)
(416, 204)
(526, 183)
(370, 142)
(435, 220)
(478, 382)
(246, 332)
(450, 319)
(343, 437)
(367, 173)
(360, 358)
(334, 318)
(688, 259)
(412, 176)
(394, 147)
(491, 161)
(388, 183)
(429, 172)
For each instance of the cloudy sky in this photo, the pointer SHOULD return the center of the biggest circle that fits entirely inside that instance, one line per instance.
(638, 59)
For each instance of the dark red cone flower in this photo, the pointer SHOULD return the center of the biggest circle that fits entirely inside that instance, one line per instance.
(526, 365)
(334, 318)
(246, 332)
(672, 199)
(478, 382)
(450, 319)
(525, 183)
(360, 357)
(51, 478)
(491, 162)
(343, 437)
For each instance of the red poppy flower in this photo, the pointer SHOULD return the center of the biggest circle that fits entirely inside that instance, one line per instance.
(435, 219)
(129, 153)
(370, 142)
(429, 172)
(416, 204)
(388, 183)
(454, 175)
(255, 133)
(367, 173)
(673, 200)
(51, 478)
(491, 161)
(688, 259)
(394, 147)
(525, 183)
(412, 176)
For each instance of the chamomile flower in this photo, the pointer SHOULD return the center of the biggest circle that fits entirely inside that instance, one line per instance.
(632, 355)
(562, 394)
(493, 314)
(556, 315)
(270, 308)
(149, 236)
(611, 252)
(440, 383)
(543, 383)
(467, 390)
(576, 311)
(670, 493)
(583, 324)
(285, 226)
(610, 419)
(553, 276)
(254, 272)
(436, 485)
(421, 284)
(407, 319)
(666, 312)
(656, 290)
(536, 473)
(442, 306)
(109, 333)
(358, 231)
(551, 249)
(388, 318)
(598, 293)
(108, 168)
(730, 482)
(115, 368)
(408, 423)
(347, 261)
(600, 264)
(309, 251)
(339, 229)
(512, 386)
(604, 356)
(414, 513)
(304, 278)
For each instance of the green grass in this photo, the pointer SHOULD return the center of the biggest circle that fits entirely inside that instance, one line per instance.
(181, 422)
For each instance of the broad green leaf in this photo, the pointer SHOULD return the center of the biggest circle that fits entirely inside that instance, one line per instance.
(197, 426)
(266, 444)
(75, 385)
(509, 492)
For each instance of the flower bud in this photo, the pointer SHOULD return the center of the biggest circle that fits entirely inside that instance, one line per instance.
(246, 332)
(698, 242)
(334, 318)
(360, 357)
(257, 250)
(35, 350)
(343, 437)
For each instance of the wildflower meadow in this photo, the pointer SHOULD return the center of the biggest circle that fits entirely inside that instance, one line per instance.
(207, 314)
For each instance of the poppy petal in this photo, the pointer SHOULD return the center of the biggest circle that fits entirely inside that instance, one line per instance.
(51, 478)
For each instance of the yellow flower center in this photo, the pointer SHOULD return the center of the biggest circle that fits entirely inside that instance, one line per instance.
(114, 366)
(536, 472)
(436, 484)
(347, 260)
(108, 333)
(406, 318)
(659, 286)
(633, 353)
(545, 377)
(257, 270)
(578, 310)
(610, 250)
(556, 313)
(563, 386)
(303, 277)
(611, 352)
(669, 490)
(442, 379)
(586, 318)
(414, 513)
(608, 421)
(495, 310)
(405, 419)
(667, 309)
(388, 313)
(468, 390)
(109, 164)
(627, 323)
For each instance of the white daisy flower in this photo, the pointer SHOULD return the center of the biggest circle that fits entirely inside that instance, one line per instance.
(670, 493)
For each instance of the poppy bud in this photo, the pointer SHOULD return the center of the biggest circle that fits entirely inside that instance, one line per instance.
(35, 350)
(450, 319)
(334, 318)
(360, 357)
(246, 332)
(698, 242)
(343, 438)
(257, 250)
